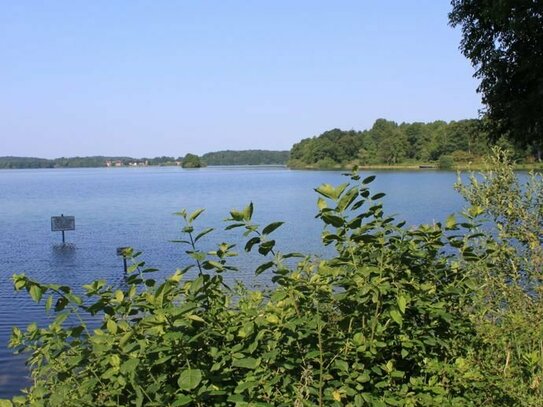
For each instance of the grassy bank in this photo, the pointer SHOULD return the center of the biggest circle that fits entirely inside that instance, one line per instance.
(478, 165)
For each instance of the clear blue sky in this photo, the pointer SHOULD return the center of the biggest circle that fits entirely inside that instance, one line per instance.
(148, 78)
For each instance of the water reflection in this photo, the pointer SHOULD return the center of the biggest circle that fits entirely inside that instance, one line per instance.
(64, 251)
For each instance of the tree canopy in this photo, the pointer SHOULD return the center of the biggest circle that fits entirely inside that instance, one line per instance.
(246, 157)
(192, 161)
(390, 143)
(504, 41)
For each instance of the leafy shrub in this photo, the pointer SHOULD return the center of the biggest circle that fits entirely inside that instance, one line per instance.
(445, 162)
(509, 302)
(192, 161)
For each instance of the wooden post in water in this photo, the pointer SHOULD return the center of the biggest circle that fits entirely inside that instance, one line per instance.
(120, 252)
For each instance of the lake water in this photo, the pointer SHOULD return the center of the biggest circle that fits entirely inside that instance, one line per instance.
(134, 207)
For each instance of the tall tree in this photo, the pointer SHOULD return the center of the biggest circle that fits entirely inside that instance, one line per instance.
(504, 41)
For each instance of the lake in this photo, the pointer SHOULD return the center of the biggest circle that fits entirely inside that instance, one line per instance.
(115, 207)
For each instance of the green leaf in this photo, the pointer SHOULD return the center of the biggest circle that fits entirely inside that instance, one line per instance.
(263, 267)
(210, 265)
(330, 191)
(111, 326)
(251, 243)
(196, 318)
(234, 225)
(202, 234)
(402, 302)
(130, 365)
(333, 220)
(5, 403)
(289, 255)
(271, 227)
(236, 215)
(35, 293)
(119, 295)
(240, 388)
(450, 223)
(396, 316)
(347, 199)
(189, 379)
(246, 330)
(368, 180)
(327, 191)
(61, 304)
(182, 400)
(266, 247)
(377, 196)
(321, 203)
(342, 365)
(49, 303)
(74, 299)
(247, 363)
(248, 212)
(60, 318)
(236, 398)
(195, 214)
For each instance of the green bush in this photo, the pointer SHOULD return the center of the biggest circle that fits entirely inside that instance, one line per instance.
(396, 317)
(192, 161)
(445, 162)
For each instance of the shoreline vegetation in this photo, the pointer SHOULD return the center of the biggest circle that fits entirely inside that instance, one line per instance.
(423, 166)
(387, 145)
(455, 145)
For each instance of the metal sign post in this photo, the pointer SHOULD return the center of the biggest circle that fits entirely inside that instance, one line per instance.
(61, 224)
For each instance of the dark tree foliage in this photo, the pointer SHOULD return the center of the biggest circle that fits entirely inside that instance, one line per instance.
(25, 162)
(504, 41)
(246, 157)
(389, 143)
(192, 161)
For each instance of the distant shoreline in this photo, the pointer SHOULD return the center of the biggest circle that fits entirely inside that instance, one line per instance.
(226, 157)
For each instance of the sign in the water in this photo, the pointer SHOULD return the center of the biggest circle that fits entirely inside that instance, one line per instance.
(61, 223)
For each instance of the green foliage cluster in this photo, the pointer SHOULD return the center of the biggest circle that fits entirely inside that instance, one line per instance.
(192, 161)
(509, 301)
(504, 42)
(25, 162)
(246, 157)
(389, 143)
(162, 160)
(434, 315)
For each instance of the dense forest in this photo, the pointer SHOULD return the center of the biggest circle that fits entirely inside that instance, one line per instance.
(246, 157)
(439, 143)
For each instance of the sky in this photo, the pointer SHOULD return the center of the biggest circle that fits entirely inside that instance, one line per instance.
(151, 78)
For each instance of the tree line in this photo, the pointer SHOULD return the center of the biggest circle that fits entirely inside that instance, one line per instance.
(63, 162)
(228, 157)
(387, 142)
(246, 157)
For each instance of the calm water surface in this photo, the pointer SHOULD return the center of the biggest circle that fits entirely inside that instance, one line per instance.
(135, 206)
